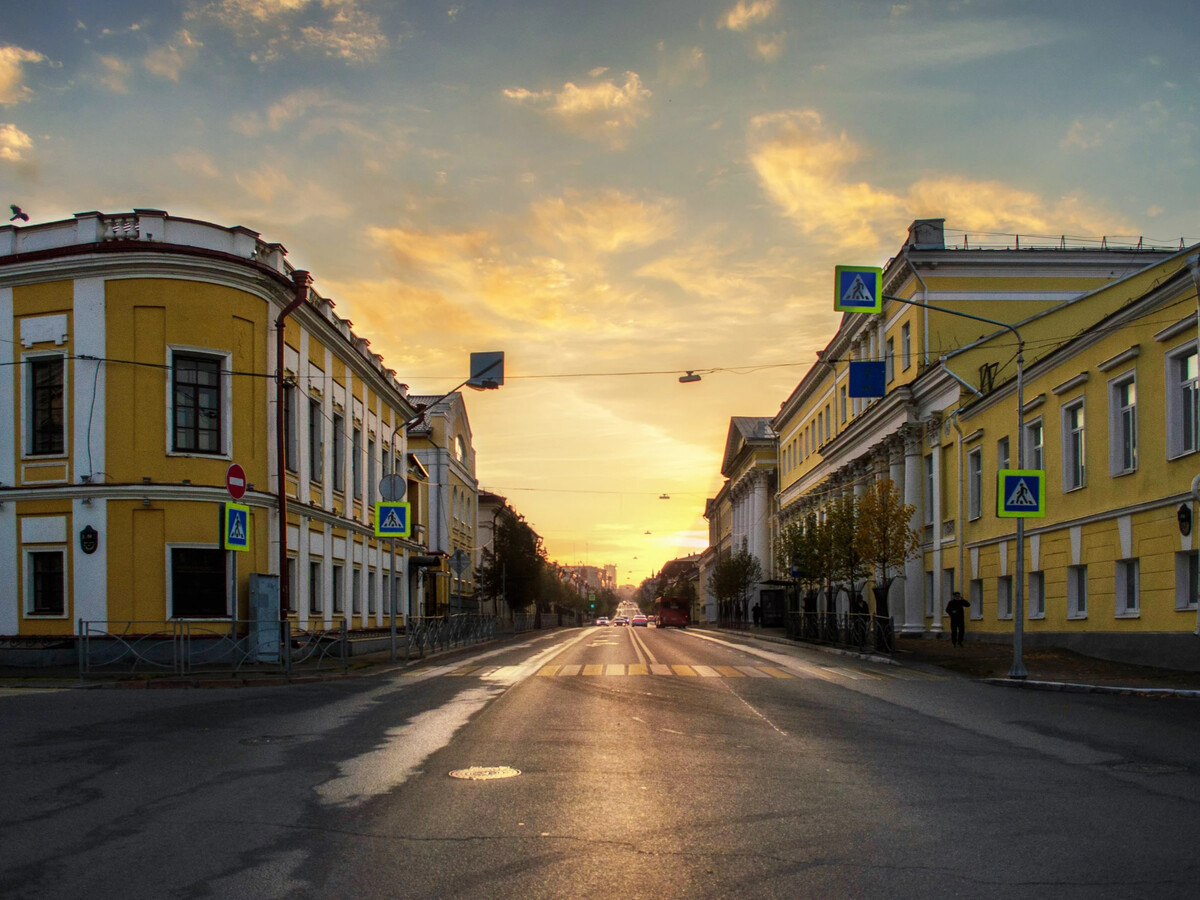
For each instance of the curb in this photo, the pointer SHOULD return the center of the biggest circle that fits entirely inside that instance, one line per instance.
(788, 642)
(1069, 687)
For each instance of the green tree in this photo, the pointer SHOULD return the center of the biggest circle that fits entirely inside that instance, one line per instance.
(731, 582)
(884, 537)
(513, 567)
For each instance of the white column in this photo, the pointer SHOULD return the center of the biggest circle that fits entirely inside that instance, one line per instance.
(896, 474)
(914, 569)
(938, 600)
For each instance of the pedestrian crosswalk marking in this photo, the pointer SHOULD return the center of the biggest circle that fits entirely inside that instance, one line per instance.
(798, 670)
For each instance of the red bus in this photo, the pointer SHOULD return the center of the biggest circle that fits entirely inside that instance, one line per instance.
(674, 611)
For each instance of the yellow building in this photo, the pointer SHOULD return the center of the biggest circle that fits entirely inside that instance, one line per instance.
(142, 355)
(948, 422)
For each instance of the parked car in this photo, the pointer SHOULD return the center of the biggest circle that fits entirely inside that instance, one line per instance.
(639, 620)
(603, 620)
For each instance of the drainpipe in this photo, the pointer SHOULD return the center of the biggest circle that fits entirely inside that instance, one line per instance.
(301, 282)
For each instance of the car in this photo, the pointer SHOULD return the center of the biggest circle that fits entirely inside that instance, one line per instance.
(640, 620)
(603, 620)
(620, 620)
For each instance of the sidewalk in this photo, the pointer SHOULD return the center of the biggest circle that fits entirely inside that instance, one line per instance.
(1049, 668)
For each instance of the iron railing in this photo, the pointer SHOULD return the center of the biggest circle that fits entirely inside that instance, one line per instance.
(182, 647)
(858, 631)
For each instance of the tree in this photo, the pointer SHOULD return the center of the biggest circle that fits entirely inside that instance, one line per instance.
(731, 581)
(513, 567)
(884, 537)
(847, 565)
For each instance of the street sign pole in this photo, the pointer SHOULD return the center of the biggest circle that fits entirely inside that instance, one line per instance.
(392, 599)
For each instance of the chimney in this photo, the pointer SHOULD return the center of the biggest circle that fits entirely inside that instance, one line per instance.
(927, 234)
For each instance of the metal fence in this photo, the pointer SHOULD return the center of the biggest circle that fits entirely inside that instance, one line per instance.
(857, 631)
(182, 647)
(423, 634)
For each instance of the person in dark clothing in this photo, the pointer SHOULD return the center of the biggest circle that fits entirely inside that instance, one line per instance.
(956, 610)
(757, 615)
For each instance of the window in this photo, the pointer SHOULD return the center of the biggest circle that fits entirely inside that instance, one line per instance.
(316, 441)
(293, 585)
(356, 463)
(339, 589)
(1076, 592)
(889, 360)
(196, 411)
(291, 429)
(356, 592)
(198, 588)
(339, 453)
(315, 604)
(906, 345)
(828, 422)
(1033, 445)
(1002, 453)
(975, 483)
(1183, 403)
(1004, 597)
(1186, 583)
(975, 598)
(46, 426)
(1127, 587)
(372, 593)
(1073, 448)
(45, 583)
(843, 404)
(1037, 595)
(1122, 425)
(387, 592)
(372, 481)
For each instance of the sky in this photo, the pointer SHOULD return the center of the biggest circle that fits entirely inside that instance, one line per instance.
(613, 193)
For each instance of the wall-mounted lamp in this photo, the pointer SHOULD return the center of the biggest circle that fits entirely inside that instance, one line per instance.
(689, 378)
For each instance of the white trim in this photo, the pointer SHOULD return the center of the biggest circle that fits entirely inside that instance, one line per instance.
(1116, 446)
(8, 437)
(43, 529)
(1070, 384)
(89, 571)
(1178, 328)
(89, 419)
(1124, 356)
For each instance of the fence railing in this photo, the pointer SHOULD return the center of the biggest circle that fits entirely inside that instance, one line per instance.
(858, 631)
(182, 647)
(423, 634)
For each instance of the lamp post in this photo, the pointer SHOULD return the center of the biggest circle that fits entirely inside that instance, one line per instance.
(1017, 670)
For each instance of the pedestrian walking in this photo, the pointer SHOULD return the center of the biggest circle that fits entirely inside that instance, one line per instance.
(956, 610)
(757, 615)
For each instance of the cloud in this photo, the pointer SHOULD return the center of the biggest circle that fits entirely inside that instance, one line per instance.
(603, 111)
(746, 13)
(1086, 135)
(769, 47)
(293, 106)
(603, 222)
(804, 169)
(686, 65)
(170, 59)
(337, 28)
(14, 143)
(12, 75)
(114, 74)
(196, 162)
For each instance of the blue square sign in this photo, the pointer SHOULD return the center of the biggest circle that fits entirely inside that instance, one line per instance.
(867, 379)
(235, 526)
(1021, 494)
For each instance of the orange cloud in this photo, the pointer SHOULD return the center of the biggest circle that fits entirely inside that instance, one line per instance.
(604, 111)
(12, 75)
(745, 13)
(14, 143)
(604, 221)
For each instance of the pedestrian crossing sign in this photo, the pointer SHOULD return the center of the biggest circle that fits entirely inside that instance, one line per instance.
(235, 526)
(1021, 494)
(858, 289)
(393, 519)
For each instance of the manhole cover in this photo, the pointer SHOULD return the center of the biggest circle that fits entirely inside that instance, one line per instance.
(485, 773)
(268, 739)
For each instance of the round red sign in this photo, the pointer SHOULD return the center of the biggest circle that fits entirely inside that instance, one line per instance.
(235, 481)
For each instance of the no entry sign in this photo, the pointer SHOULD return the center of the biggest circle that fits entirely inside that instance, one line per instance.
(235, 481)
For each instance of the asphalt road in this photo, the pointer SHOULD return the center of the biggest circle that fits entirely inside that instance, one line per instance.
(652, 763)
